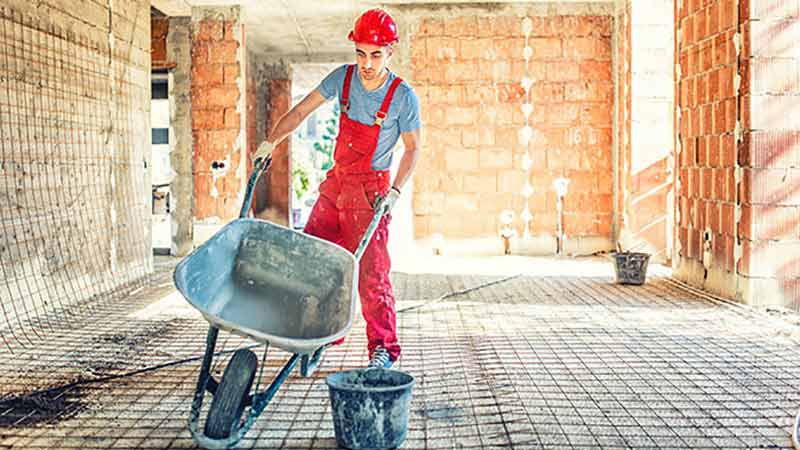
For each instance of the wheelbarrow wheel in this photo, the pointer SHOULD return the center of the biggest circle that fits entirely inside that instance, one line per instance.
(229, 401)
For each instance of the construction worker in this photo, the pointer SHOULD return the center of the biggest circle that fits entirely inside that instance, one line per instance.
(377, 108)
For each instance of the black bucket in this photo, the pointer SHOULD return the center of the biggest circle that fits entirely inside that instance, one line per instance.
(631, 267)
(370, 408)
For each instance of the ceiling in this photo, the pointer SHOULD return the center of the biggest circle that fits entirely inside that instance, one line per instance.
(308, 30)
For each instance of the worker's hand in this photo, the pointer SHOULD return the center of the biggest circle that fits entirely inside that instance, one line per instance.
(387, 201)
(264, 151)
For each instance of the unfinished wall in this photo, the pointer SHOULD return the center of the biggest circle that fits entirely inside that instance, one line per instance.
(738, 136)
(467, 68)
(218, 104)
(707, 175)
(769, 113)
(74, 151)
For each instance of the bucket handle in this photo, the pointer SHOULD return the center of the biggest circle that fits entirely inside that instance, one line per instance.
(260, 167)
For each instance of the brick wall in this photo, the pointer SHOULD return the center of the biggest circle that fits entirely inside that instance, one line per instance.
(217, 126)
(707, 100)
(467, 73)
(768, 153)
(74, 191)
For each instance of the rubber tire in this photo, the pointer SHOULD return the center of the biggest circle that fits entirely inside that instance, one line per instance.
(228, 403)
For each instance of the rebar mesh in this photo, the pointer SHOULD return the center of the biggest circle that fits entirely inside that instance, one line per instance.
(531, 363)
(74, 194)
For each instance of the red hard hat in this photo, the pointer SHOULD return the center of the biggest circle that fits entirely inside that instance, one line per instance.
(375, 26)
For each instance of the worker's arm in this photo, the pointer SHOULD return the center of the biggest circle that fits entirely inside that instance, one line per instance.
(289, 121)
(409, 160)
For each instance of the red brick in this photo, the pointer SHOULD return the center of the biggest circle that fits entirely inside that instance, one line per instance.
(222, 140)
(231, 73)
(559, 71)
(223, 52)
(511, 48)
(462, 116)
(199, 52)
(224, 95)
(207, 119)
(209, 30)
(584, 48)
(461, 26)
(547, 93)
(596, 115)
(595, 70)
(713, 19)
(231, 30)
(508, 26)
(207, 74)
(730, 176)
(442, 47)
(511, 93)
(564, 114)
(475, 48)
(431, 26)
(462, 71)
(544, 48)
(232, 118)
(447, 95)
(713, 143)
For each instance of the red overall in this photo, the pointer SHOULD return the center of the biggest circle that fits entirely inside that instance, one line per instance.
(344, 210)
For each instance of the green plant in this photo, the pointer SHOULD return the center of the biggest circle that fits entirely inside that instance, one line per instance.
(328, 143)
(300, 181)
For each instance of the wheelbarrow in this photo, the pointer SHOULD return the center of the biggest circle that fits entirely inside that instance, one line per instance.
(276, 286)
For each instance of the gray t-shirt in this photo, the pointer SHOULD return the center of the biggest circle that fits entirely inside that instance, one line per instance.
(403, 115)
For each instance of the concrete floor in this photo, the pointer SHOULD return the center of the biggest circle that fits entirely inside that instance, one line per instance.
(560, 357)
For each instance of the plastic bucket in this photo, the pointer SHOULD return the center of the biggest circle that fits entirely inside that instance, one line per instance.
(631, 267)
(370, 408)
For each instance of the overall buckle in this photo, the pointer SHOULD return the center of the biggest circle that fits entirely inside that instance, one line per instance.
(379, 118)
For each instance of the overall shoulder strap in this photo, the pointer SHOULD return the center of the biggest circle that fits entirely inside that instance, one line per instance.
(387, 101)
(346, 88)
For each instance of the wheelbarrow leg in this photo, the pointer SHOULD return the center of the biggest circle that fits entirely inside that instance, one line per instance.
(310, 363)
(202, 380)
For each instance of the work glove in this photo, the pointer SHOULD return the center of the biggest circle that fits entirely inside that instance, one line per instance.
(264, 151)
(387, 201)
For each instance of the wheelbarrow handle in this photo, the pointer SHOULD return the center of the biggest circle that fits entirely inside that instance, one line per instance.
(260, 167)
(373, 225)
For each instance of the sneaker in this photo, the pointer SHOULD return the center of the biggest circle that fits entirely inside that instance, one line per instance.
(380, 359)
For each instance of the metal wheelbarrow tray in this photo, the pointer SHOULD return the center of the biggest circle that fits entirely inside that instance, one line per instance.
(272, 284)
(276, 286)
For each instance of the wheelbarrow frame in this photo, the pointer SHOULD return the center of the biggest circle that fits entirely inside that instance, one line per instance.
(308, 362)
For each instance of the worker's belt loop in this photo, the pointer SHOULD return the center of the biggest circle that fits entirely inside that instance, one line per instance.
(379, 118)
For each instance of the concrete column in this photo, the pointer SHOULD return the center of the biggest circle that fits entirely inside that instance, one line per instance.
(178, 52)
(648, 98)
(218, 106)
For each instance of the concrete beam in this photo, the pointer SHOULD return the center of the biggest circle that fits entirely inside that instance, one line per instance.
(173, 8)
